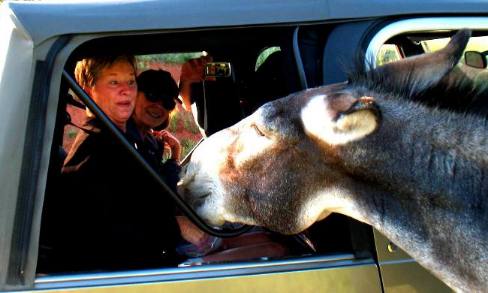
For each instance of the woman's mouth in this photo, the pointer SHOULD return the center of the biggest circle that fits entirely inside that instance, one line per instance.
(124, 104)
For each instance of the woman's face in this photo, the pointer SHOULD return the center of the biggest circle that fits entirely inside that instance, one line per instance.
(115, 91)
(149, 114)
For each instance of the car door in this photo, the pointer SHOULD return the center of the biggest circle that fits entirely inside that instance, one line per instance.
(337, 253)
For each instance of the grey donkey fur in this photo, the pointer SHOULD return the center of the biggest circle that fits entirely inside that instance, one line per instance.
(369, 149)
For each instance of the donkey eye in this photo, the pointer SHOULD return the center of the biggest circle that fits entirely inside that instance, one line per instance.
(257, 130)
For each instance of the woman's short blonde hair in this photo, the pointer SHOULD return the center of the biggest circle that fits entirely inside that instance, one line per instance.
(88, 69)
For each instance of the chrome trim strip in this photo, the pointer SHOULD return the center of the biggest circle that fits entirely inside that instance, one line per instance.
(198, 272)
(426, 24)
(396, 262)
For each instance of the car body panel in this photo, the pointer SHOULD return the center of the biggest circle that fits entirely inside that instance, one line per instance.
(16, 68)
(400, 273)
(65, 17)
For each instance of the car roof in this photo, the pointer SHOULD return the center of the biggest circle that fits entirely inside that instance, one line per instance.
(46, 19)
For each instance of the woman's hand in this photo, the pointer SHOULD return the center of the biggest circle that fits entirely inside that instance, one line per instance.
(171, 142)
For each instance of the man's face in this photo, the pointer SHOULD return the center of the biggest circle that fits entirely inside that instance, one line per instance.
(115, 91)
(148, 113)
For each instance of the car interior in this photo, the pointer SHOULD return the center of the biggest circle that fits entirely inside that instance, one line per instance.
(243, 83)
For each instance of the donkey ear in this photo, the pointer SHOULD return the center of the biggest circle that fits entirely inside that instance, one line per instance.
(340, 119)
(426, 70)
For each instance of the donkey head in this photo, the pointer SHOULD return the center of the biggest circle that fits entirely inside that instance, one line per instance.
(267, 169)
(279, 167)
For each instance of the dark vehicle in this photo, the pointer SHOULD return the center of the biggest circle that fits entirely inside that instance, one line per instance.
(261, 50)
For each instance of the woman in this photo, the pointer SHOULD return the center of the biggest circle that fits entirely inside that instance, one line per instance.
(156, 98)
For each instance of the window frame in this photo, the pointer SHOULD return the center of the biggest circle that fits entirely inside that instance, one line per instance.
(167, 274)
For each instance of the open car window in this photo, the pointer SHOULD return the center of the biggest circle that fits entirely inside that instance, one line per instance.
(261, 69)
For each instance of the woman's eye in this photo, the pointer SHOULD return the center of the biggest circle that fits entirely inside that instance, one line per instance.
(132, 82)
(258, 131)
(113, 82)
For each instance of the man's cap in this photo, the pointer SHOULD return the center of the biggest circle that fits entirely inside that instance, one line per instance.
(159, 85)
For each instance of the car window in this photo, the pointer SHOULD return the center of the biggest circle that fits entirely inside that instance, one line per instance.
(260, 71)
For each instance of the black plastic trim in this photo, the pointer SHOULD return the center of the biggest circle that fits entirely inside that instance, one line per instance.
(298, 60)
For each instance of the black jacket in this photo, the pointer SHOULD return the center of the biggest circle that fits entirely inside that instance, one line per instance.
(110, 213)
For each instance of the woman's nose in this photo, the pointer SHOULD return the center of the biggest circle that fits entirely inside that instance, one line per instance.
(129, 87)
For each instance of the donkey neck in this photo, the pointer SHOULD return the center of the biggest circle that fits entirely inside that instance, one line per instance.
(421, 180)
(418, 150)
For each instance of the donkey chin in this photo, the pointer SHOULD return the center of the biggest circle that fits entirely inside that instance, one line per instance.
(203, 193)
(201, 187)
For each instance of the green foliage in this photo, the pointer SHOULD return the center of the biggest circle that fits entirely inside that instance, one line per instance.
(184, 119)
(187, 145)
(71, 132)
(189, 124)
(184, 127)
(173, 123)
(387, 54)
(171, 58)
(264, 55)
